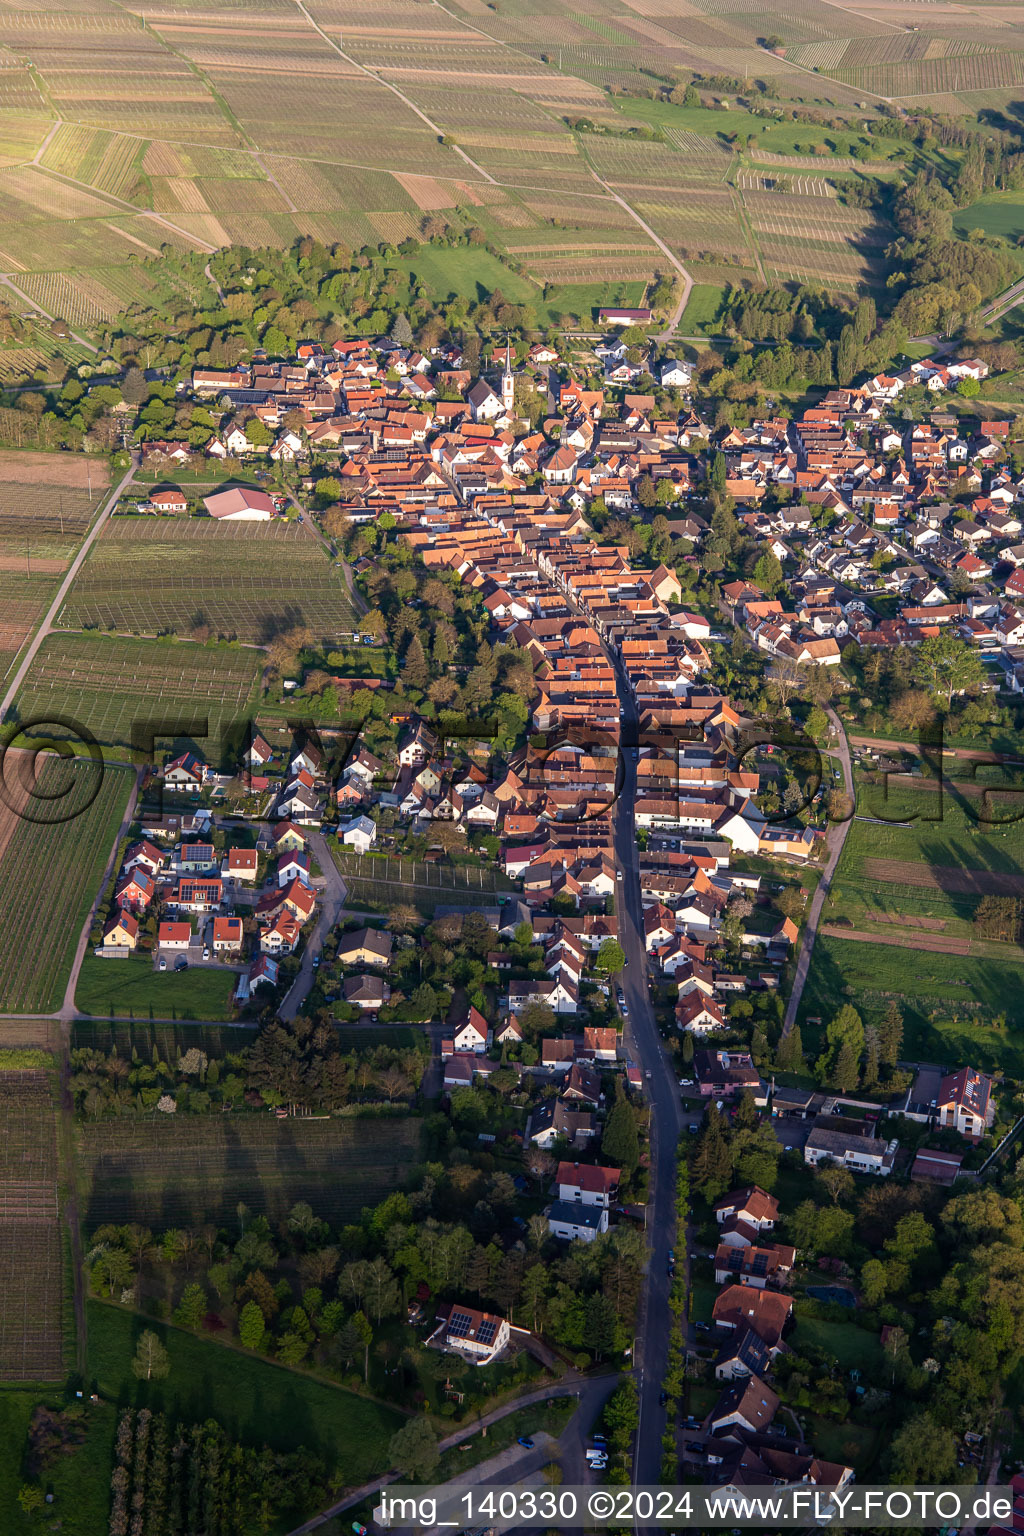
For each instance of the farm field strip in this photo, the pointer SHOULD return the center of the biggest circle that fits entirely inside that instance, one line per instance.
(31, 1247)
(53, 870)
(798, 185)
(197, 1168)
(106, 684)
(156, 576)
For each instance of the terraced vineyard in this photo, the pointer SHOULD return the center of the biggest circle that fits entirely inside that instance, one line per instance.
(31, 1249)
(185, 1172)
(151, 576)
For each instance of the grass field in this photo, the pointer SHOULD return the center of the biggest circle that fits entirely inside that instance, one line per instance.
(1002, 213)
(31, 1241)
(915, 887)
(131, 988)
(79, 1482)
(108, 684)
(948, 1001)
(167, 1171)
(49, 875)
(247, 582)
(256, 1402)
(702, 309)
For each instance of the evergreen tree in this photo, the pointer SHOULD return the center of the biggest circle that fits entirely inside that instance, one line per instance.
(191, 1307)
(621, 1142)
(415, 671)
(846, 1072)
(847, 356)
(789, 1054)
(890, 1035)
(746, 1110)
(601, 1325)
(713, 1162)
(871, 1059)
(401, 331)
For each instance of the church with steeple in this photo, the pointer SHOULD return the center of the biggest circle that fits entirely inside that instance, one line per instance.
(508, 383)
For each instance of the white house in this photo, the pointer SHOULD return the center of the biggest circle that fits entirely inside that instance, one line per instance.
(675, 375)
(359, 834)
(480, 1335)
(861, 1154)
(472, 1033)
(574, 1222)
(186, 773)
(965, 1103)
(587, 1184)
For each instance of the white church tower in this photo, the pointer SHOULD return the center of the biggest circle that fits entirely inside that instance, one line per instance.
(508, 383)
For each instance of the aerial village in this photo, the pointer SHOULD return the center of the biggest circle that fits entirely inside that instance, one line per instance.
(886, 531)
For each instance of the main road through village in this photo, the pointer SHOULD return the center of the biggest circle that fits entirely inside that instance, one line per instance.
(642, 1036)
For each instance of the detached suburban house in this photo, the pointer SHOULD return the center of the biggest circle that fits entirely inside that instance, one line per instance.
(850, 1143)
(366, 946)
(964, 1103)
(585, 1194)
(479, 1335)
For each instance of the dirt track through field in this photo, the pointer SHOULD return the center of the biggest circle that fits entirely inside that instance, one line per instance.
(953, 879)
(938, 944)
(905, 920)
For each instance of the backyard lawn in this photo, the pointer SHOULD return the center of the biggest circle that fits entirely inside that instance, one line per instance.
(855, 1348)
(256, 1402)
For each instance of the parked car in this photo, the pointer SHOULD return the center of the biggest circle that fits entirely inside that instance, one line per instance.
(163, 965)
(525, 1442)
(206, 952)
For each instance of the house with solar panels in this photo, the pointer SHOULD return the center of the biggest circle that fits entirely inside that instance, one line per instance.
(480, 1336)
